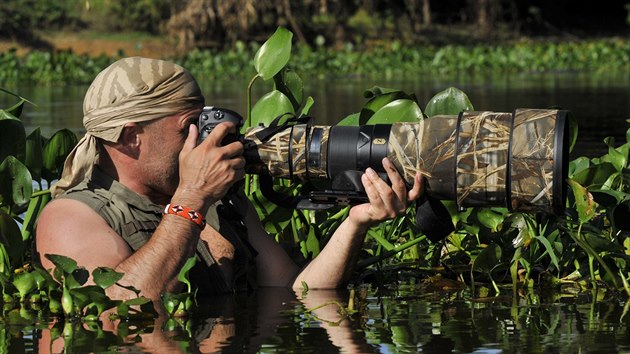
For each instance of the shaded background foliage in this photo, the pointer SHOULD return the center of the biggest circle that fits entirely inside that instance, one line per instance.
(220, 23)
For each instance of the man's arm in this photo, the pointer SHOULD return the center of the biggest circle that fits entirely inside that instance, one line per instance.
(72, 229)
(334, 265)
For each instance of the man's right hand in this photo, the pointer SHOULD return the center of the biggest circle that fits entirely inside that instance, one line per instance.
(208, 170)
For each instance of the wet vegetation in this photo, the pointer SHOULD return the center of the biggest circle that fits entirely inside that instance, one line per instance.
(603, 57)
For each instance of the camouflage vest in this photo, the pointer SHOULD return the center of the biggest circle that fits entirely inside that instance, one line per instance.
(135, 218)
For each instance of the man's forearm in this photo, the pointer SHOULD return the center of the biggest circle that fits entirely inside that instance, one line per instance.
(334, 265)
(154, 267)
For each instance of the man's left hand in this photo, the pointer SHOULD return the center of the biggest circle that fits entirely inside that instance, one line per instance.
(386, 202)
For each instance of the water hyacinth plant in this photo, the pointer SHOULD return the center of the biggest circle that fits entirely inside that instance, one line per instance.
(582, 248)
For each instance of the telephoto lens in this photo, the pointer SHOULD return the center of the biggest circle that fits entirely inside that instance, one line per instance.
(516, 160)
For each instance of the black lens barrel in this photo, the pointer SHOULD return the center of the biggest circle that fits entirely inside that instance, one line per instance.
(357, 148)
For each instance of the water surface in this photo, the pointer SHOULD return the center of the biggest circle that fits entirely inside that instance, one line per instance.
(600, 104)
(400, 318)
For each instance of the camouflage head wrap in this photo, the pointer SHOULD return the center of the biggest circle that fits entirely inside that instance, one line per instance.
(130, 90)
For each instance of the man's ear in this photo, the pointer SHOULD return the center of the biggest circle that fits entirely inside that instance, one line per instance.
(130, 139)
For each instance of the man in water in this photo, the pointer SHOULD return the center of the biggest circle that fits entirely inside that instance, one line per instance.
(136, 189)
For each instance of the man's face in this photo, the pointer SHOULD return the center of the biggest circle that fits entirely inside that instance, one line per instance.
(162, 144)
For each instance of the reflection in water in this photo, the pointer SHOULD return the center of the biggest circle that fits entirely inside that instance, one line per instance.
(600, 104)
(386, 321)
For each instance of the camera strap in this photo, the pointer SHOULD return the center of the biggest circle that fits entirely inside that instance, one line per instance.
(275, 126)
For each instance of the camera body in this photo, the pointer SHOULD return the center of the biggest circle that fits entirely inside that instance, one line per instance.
(211, 116)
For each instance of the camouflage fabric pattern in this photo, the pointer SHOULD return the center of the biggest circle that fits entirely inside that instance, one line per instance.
(298, 155)
(482, 153)
(271, 157)
(532, 158)
(471, 164)
(285, 154)
(426, 147)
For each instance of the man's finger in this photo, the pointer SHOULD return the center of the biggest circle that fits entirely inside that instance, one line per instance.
(234, 149)
(398, 184)
(370, 188)
(191, 139)
(219, 132)
(418, 188)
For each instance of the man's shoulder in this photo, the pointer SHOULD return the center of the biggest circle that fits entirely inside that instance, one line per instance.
(64, 211)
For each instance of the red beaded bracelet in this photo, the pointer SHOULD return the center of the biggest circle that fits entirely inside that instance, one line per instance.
(186, 213)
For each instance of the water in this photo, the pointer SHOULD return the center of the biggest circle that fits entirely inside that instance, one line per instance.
(600, 104)
(401, 319)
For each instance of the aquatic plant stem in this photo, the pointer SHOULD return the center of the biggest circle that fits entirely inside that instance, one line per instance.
(248, 122)
(368, 262)
(592, 254)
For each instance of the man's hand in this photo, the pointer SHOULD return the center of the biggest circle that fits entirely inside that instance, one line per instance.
(207, 171)
(386, 202)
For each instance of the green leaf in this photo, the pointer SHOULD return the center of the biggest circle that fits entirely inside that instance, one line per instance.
(123, 307)
(402, 110)
(490, 218)
(12, 136)
(578, 165)
(16, 184)
(183, 273)
(549, 250)
(105, 277)
(5, 262)
(595, 176)
(11, 237)
(77, 278)
(378, 102)
(376, 91)
(24, 283)
(274, 218)
(34, 151)
(617, 158)
(310, 246)
(55, 152)
(584, 202)
(307, 106)
(16, 109)
(170, 302)
(448, 102)
(488, 258)
(290, 84)
(351, 120)
(66, 264)
(44, 281)
(274, 54)
(83, 296)
(35, 207)
(270, 106)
